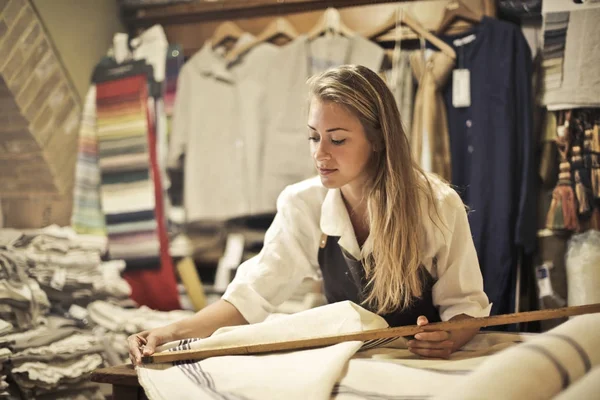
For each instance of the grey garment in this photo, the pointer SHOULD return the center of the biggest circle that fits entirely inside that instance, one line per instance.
(68, 348)
(19, 359)
(403, 88)
(25, 294)
(581, 72)
(37, 377)
(43, 336)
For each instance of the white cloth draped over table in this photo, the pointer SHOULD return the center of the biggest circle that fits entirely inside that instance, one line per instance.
(307, 374)
(339, 372)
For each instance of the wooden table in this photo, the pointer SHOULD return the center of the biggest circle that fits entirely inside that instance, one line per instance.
(124, 381)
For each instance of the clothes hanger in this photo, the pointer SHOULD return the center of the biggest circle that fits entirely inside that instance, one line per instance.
(415, 26)
(457, 9)
(279, 27)
(330, 21)
(224, 32)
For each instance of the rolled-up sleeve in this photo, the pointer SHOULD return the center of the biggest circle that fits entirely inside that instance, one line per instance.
(289, 256)
(459, 286)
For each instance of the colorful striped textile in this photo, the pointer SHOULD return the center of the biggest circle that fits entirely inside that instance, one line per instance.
(87, 216)
(131, 189)
(126, 183)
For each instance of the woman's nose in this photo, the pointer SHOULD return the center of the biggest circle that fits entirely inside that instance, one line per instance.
(321, 151)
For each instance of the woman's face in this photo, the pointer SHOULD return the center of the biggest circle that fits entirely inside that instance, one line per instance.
(338, 144)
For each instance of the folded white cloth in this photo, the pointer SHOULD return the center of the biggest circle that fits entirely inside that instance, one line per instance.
(540, 368)
(307, 374)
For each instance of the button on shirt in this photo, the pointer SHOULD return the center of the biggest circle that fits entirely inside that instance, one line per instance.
(307, 209)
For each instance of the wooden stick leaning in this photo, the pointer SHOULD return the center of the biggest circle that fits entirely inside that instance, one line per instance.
(386, 333)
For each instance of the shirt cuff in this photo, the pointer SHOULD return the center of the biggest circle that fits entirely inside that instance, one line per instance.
(471, 309)
(250, 304)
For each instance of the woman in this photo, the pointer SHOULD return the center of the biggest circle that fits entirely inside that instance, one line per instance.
(371, 203)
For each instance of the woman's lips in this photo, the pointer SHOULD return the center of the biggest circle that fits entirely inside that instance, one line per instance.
(324, 171)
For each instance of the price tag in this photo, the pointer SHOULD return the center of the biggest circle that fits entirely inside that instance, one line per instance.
(461, 88)
(543, 281)
(58, 279)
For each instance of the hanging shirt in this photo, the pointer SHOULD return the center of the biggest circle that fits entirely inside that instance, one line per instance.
(286, 157)
(218, 123)
(492, 151)
(307, 209)
(429, 139)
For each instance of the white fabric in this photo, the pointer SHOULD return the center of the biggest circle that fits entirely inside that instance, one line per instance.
(556, 359)
(308, 374)
(290, 252)
(396, 373)
(587, 387)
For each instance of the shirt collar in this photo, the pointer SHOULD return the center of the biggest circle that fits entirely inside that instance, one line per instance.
(335, 221)
(211, 62)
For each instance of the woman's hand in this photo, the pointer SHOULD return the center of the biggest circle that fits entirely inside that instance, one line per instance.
(436, 344)
(440, 344)
(144, 343)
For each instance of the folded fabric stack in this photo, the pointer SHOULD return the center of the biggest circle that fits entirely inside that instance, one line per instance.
(54, 359)
(22, 302)
(51, 271)
(555, 36)
(69, 270)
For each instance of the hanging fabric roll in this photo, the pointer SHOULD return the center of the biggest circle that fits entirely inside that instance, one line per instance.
(429, 139)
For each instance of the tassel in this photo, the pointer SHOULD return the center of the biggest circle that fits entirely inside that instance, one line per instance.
(581, 192)
(595, 136)
(554, 219)
(595, 175)
(562, 214)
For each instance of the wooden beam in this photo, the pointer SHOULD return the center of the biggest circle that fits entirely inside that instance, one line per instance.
(232, 9)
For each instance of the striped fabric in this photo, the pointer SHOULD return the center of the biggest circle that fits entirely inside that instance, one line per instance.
(126, 183)
(555, 36)
(87, 216)
(131, 188)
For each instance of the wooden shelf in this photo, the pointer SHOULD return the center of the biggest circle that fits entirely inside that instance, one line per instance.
(199, 11)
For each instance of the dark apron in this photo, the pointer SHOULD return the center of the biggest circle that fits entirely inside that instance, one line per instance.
(344, 279)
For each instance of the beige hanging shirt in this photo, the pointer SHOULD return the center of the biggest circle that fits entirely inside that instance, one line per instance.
(430, 141)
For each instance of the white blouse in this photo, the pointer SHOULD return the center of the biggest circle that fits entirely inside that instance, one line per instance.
(307, 209)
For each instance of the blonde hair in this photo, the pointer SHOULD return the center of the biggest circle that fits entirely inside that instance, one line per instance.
(392, 254)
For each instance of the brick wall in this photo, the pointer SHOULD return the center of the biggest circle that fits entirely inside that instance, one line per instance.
(39, 117)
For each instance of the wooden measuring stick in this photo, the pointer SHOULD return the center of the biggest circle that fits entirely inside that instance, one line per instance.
(375, 334)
